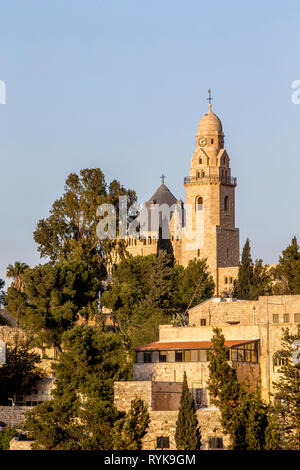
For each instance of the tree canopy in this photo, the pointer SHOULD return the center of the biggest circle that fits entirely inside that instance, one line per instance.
(53, 298)
(69, 233)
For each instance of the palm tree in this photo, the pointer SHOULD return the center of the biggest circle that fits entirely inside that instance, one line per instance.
(17, 273)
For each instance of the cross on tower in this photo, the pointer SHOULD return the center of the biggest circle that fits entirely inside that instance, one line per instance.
(163, 178)
(210, 98)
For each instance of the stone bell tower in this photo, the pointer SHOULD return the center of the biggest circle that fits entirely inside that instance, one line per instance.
(210, 204)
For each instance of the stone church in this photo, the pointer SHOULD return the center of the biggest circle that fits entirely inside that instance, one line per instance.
(205, 226)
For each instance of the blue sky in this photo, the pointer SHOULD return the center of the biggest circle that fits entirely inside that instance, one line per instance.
(121, 85)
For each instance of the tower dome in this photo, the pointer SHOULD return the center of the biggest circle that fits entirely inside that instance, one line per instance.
(209, 123)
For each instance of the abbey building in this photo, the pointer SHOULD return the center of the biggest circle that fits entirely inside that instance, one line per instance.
(205, 226)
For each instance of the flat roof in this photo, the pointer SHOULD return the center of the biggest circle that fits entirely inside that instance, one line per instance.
(162, 346)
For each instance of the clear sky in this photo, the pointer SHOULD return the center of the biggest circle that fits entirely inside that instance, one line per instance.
(121, 85)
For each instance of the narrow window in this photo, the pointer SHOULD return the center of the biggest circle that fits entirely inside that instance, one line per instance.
(199, 204)
(227, 253)
(200, 161)
(275, 318)
(203, 322)
(163, 442)
(286, 318)
(211, 141)
(215, 443)
(226, 280)
(226, 203)
(198, 252)
(297, 317)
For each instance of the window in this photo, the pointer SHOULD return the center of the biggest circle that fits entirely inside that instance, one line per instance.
(198, 252)
(297, 317)
(226, 204)
(286, 318)
(162, 356)
(139, 357)
(226, 280)
(199, 204)
(194, 355)
(162, 442)
(187, 356)
(147, 356)
(203, 355)
(211, 141)
(279, 361)
(200, 396)
(203, 322)
(215, 443)
(155, 356)
(207, 161)
(230, 280)
(178, 356)
(200, 161)
(275, 318)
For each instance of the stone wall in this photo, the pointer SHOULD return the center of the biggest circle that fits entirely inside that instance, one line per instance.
(13, 415)
(20, 445)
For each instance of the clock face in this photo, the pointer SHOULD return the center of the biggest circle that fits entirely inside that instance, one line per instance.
(202, 141)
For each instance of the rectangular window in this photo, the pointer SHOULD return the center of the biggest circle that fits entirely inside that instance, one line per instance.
(297, 317)
(162, 442)
(155, 356)
(203, 355)
(248, 355)
(226, 280)
(203, 322)
(178, 356)
(254, 356)
(147, 356)
(194, 355)
(171, 356)
(215, 443)
(187, 356)
(200, 396)
(286, 318)
(275, 318)
(162, 356)
(230, 280)
(139, 356)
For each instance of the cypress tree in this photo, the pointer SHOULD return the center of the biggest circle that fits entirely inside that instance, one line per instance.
(187, 436)
(245, 273)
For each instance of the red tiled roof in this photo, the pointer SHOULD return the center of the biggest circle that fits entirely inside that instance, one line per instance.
(161, 346)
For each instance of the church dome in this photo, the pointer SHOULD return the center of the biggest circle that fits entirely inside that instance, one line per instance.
(209, 122)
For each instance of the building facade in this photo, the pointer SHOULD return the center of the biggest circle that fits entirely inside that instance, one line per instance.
(253, 332)
(205, 226)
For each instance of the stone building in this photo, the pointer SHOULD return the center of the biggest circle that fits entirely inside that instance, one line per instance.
(252, 330)
(205, 226)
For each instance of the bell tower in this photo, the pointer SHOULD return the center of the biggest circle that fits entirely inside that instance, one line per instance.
(210, 203)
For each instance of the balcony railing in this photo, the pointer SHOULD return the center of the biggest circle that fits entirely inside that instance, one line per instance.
(211, 179)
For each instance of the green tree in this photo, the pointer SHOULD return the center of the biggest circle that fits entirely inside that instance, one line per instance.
(187, 435)
(244, 416)
(69, 232)
(16, 272)
(254, 279)
(130, 430)
(20, 371)
(287, 391)
(81, 413)
(245, 273)
(193, 284)
(53, 299)
(6, 436)
(287, 272)
(2, 284)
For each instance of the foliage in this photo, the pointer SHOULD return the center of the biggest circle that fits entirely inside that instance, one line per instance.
(6, 436)
(53, 298)
(287, 390)
(148, 290)
(20, 371)
(16, 272)
(130, 430)
(69, 233)
(193, 285)
(253, 278)
(187, 435)
(81, 414)
(287, 272)
(2, 284)
(244, 416)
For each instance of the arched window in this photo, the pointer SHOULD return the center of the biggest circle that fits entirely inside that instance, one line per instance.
(207, 161)
(200, 160)
(203, 174)
(198, 174)
(226, 204)
(199, 203)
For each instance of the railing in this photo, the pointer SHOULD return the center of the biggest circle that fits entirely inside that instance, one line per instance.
(211, 179)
